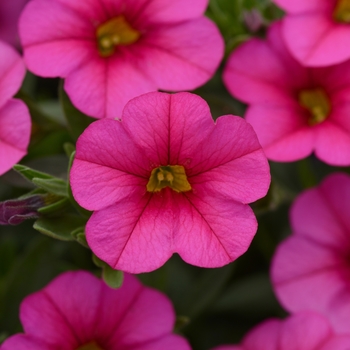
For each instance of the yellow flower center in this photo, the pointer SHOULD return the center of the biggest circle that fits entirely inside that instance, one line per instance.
(317, 103)
(342, 11)
(173, 176)
(90, 346)
(116, 31)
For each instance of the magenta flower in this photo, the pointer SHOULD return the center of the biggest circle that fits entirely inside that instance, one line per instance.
(317, 32)
(77, 311)
(112, 51)
(311, 268)
(9, 15)
(15, 124)
(301, 331)
(294, 110)
(168, 179)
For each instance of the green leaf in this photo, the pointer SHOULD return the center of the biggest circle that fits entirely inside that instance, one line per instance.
(69, 148)
(76, 120)
(79, 236)
(113, 278)
(60, 227)
(55, 207)
(56, 186)
(30, 174)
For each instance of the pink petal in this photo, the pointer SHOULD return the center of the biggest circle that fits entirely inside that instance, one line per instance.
(265, 336)
(340, 342)
(282, 131)
(134, 235)
(107, 153)
(50, 27)
(305, 331)
(332, 144)
(149, 317)
(231, 162)
(274, 77)
(212, 231)
(102, 86)
(321, 44)
(315, 213)
(229, 347)
(15, 128)
(160, 11)
(168, 127)
(12, 72)
(181, 56)
(307, 275)
(26, 342)
(300, 6)
(64, 319)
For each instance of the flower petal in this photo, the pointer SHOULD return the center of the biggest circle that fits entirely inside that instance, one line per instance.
(299, 6)
(212, 231)
(181, 56)
(15, 128)
(50, 27)
(321, 44)
(168, 127)
(282, 131)
(26, 342)
(106, 152)
(231, 162)
(60, 318)
(102, 86)
(12, 72)
(134, 235)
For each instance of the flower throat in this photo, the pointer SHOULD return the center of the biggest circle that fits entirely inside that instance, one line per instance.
(90, 346)
(317, 103)
(342, 11)
(116, 31)
(173, 176)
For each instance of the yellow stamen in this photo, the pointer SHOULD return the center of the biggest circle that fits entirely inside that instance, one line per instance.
(317, 103)
(90, 346)
(173, 176)
(116, 31)
(341, 12)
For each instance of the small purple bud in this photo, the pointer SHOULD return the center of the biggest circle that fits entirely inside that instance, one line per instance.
(15, 211)
(253, 20)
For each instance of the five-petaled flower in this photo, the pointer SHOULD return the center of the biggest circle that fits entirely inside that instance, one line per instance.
(15, 123)
(167, 179)
(311, 268)
(77, 311)
(317, 32)
(111, 51)
(294, 110)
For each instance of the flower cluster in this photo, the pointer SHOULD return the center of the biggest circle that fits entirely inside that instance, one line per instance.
(154, 170)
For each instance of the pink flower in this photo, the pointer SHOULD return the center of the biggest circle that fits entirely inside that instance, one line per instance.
(302, 331)
(9, 14)
(294, 110)
(168, 179)
(317, 32)
(77, 311)
(311, 268)
(112, 51)
(15, 124)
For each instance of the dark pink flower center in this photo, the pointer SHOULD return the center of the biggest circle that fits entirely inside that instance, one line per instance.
(114, 32)
(173, 176)
(90, 346)
(342, 11)
(317, 104)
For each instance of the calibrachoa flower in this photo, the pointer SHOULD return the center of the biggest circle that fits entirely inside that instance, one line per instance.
(317, 31)
(9, 15)
(302, 331)
(77, 311)
(311, 268)
(112, 51)
(294, 110)
(15, 124)
(167, 179)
